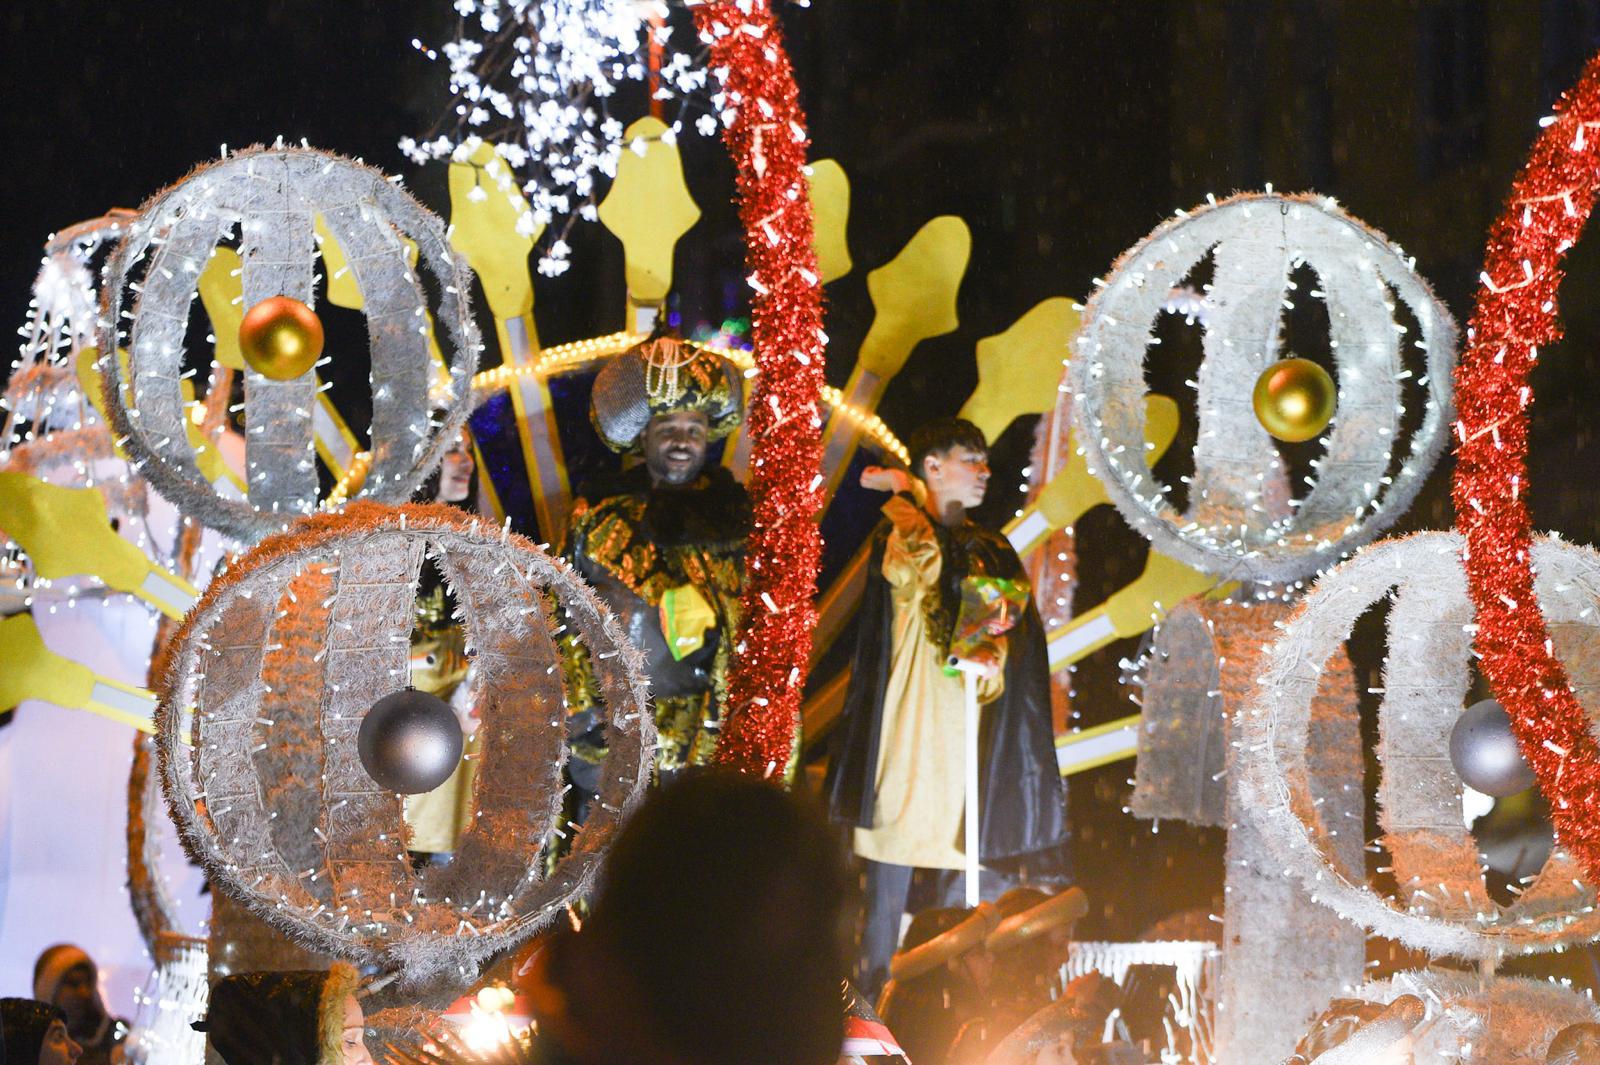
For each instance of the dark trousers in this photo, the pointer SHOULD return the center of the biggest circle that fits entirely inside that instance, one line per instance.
(885, 893)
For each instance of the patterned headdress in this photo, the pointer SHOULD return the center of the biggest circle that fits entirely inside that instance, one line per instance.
(664, 375)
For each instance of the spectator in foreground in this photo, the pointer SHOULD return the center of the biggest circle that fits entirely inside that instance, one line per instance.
(940, 980)
(717, 937)
(34, 1033)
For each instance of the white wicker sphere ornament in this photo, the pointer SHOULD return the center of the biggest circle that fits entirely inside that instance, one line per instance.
(322, 857)
(1443, 905)
(1484, 751)
(271, 199)
(1235, 526)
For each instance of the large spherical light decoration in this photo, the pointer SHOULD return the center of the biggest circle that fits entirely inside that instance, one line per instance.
(271, 202)
(1234, 524)
(410, 741)
(322, 857)
(280, 338)
(1294, 400)
(1441, 904)
(1484, 751)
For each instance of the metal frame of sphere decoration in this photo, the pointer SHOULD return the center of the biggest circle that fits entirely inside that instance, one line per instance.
(1235, 527)
(1444, 906)
(273, 198)
(52, 430)
(322, 857)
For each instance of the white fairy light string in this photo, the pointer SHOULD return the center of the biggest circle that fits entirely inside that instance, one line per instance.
(536, 79)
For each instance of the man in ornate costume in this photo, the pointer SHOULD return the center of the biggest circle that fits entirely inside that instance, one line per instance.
(896, 772)
(663, 544)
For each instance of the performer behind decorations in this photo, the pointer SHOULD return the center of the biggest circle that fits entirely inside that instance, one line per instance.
(663, 545)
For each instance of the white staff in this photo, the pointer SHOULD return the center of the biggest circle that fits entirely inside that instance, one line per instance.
(970, 672)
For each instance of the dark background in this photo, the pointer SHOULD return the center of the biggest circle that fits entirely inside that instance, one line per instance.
(1061, 131)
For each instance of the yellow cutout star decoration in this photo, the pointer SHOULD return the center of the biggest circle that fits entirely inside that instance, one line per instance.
(485, 206)
(66, 532)
(914, 295)
(222, 294)
(649, 209)
(1074, 490)
(830, 215)
(1018, 369)
(30, 670)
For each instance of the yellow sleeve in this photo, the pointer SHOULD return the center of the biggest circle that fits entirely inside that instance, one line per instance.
(911, 556)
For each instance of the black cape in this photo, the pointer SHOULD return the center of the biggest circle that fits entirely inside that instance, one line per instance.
(1022, 809)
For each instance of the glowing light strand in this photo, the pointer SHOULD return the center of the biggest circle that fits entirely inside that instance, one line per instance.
(1514, 317)
(766, 135)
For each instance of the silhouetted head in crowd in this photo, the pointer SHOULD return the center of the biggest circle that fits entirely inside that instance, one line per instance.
(926, 1004)
(716, 937)
(304, 1017)
(34, 1033)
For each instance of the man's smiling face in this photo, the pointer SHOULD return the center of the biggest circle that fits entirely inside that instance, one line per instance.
(675, 447)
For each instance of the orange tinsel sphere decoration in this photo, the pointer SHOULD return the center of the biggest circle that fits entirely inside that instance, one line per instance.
(1294, 399)
(280, 338)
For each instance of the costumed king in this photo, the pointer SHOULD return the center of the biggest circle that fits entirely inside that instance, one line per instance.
(896, 770)
(663, 544)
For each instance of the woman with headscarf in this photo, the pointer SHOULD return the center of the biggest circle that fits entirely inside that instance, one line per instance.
(287, 1018)
(34, 1033)
(66, 977)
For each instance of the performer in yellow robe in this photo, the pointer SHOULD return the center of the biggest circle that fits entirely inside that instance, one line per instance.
(921, 770)
(439, 664)
(896, 769)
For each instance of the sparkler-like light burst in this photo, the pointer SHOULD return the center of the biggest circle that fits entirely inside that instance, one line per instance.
(538, 80)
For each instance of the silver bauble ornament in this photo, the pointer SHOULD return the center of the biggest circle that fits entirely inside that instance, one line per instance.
(1484, 751)
(410, 741)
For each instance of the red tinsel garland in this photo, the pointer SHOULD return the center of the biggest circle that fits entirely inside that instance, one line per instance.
(1515, 317)
(767, 139)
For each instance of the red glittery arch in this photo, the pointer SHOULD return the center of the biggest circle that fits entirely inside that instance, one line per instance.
(767, 140)
(1515, 316)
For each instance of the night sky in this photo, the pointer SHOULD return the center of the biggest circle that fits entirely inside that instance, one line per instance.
(1061, 131)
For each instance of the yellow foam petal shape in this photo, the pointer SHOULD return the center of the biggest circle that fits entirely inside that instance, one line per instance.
(222, 294)
(1019, 369)
(30, 670)
(830, 215)
(649, 208)
(485, 205)
(66, 532)
(914, 295)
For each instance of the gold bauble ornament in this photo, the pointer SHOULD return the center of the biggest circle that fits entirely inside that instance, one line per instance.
(1294, 399)
(280, 338)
